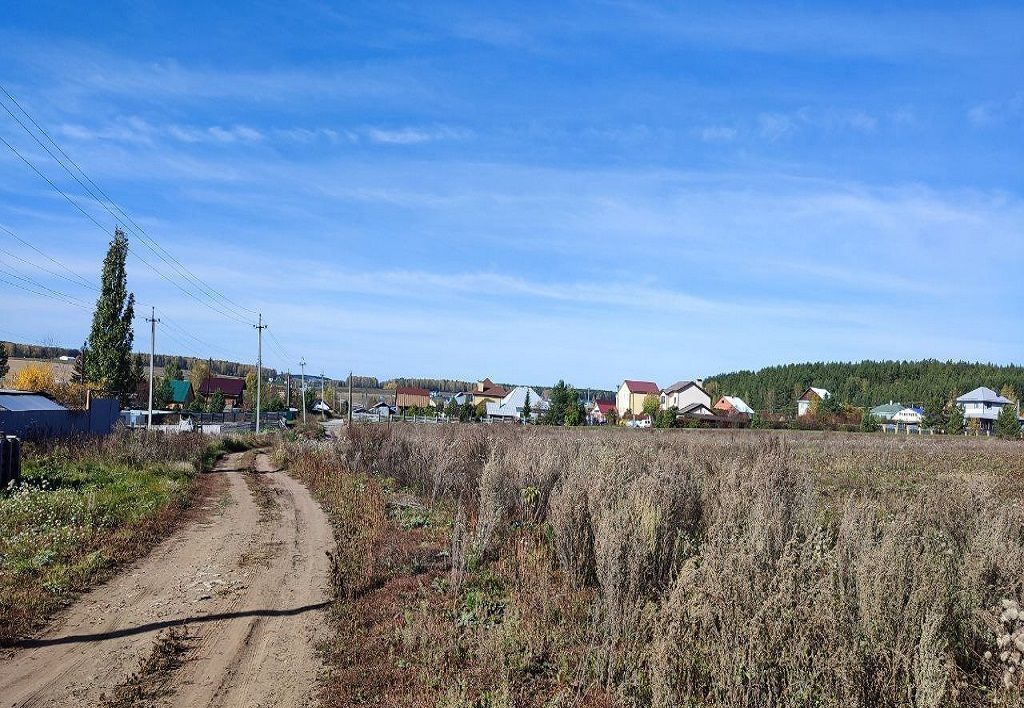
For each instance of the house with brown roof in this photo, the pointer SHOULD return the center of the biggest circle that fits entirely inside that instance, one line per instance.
(411, 397)
(232, 388)
(631, 395)
(485, 391)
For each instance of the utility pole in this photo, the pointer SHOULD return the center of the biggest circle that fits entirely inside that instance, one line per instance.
(288, 390)
(259, 369)
(350, 397)
(152, 352)
(302, 365)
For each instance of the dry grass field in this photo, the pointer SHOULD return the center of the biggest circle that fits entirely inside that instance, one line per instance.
(541, 567)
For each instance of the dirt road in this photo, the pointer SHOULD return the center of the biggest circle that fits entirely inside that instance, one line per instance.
(227, 612)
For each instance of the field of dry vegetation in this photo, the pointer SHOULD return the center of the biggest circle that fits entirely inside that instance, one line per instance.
(548, 567)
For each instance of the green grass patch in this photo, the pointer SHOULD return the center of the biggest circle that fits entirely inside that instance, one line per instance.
(82, 510)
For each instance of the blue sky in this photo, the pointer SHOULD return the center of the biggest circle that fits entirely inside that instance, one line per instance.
(534, 191)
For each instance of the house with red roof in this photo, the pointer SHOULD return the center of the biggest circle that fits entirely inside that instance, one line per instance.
(631, 395)
(599, 413)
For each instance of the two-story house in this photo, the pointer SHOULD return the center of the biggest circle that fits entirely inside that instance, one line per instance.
(983, 405)
(631, 395)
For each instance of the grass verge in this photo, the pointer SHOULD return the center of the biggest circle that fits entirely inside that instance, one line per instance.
(84, 508)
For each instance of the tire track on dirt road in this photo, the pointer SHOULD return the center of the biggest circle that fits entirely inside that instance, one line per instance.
(248, 588)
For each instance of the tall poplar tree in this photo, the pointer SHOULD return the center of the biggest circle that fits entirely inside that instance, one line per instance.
(110, 363)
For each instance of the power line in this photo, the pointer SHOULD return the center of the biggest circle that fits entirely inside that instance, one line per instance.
(46, 270)
(182, 270)
(104, 230)
(14, 273)
(83, 281)
(35, 292)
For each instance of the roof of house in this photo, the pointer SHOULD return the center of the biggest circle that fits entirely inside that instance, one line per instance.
(604, 406)
(179, 390)
(739, 404)
(14, 400)
(513, 403)
(228, 386)
(890, 408)
(696, 409)
(411, 391)
(819, 392)
(640, 386)
(682, 386)
(982, 395)
(489, 388)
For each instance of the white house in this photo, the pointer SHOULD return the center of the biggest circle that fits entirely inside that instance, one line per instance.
(803, 404)
(983, 405)
(683, 394)
(511, 406)
(909, 416)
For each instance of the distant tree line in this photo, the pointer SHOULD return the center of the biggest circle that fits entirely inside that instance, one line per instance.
(443, 385)
(866, 383)
(38, 351)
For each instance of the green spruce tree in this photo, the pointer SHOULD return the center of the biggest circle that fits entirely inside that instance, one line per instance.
(956, 423)
(868, 423)
(163, 393)
(1007, 425)
(527, 411)
(216, 402)
(935, 413)
(4, 366)
(110, 362)
(173, 370)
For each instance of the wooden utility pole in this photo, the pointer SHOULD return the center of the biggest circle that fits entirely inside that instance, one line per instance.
(350, 397)
(152, 353)
(259, 369)
(302, 365)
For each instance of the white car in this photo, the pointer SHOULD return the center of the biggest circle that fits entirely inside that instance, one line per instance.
(640, 423)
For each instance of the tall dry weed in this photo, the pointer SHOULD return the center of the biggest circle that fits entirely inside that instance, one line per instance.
(731, 569)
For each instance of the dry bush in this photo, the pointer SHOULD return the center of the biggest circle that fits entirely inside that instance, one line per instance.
(684, 568)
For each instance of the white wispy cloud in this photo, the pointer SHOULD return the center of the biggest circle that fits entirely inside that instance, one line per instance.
(775, 126)
(989, 113)
(413, 136)
(718, 133)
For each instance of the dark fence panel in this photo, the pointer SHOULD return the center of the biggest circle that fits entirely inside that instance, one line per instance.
(10, 460)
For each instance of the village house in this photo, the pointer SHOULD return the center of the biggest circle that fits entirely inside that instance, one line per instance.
(809, 396)
(885, 412)
(181, 394)
(512, 406)
(631, 395)
(600, 411)
(734, 406)
(484, 391)
(411, 397)
(685, 394)
(909, 416)
(982, 405)
(233, 389)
